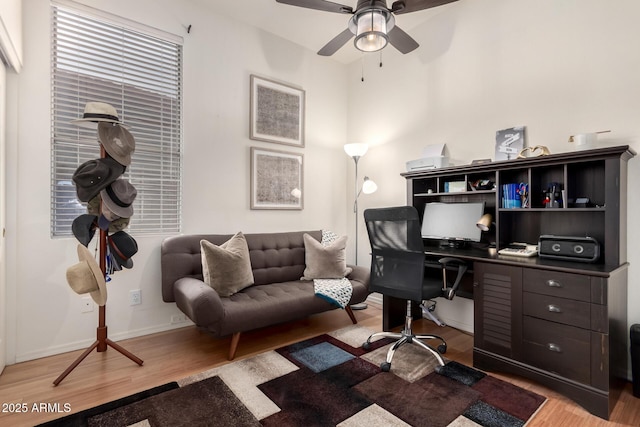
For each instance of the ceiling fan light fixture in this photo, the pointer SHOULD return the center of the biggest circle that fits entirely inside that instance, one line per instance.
(371, 30)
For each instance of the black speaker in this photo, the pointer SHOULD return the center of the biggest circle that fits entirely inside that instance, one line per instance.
(569, 248)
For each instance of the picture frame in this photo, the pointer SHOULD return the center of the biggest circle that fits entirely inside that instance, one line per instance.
(277, 179)
(277, 112)
(509, 143)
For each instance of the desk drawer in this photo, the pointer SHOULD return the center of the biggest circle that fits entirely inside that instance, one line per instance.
(564, 285)
(560, 310)
(557, 348)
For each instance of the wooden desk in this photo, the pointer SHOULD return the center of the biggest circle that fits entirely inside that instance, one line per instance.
(563, 324)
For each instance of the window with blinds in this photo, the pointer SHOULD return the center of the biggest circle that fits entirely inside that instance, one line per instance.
(140, 74)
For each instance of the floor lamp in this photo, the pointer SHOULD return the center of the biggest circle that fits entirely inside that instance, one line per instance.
(355, 151)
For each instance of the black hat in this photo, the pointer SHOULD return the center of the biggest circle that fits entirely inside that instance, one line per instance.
(122, 246)
(94, 175)
(84, 227)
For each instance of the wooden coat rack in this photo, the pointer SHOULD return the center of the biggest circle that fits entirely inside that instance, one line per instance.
(102, 341)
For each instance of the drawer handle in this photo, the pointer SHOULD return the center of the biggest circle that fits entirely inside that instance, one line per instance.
(554, 308)
(553, 284)
(554, 347)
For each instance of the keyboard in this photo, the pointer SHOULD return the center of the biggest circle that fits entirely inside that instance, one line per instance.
(525, 252)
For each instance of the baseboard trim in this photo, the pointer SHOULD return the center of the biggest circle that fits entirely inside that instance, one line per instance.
(79, 345)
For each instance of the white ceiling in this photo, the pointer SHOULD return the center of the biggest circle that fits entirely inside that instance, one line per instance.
(309, 28)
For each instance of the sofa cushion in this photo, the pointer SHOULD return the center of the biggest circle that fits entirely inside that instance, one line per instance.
(325, 262)
(227, 268)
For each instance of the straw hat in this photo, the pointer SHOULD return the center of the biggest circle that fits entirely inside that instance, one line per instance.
(86, 277)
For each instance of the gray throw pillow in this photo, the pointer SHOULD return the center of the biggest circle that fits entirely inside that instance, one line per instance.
(227, 268)
(325, 262)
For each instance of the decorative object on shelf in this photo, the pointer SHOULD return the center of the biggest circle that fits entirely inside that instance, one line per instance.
(277, 112)
(276, 179)
(373, 23)
(585, 141)
(509, 142)
(538, 150)
(480, 161)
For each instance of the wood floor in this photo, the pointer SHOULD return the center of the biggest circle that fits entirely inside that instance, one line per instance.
(172, 355)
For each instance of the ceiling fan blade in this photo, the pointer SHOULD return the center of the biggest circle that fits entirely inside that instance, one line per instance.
(401, 40)
(406, 6)
(324, 5)
(335, 44)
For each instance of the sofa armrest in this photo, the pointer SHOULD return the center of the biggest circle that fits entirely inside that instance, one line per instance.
(359, 274)
(198, 301)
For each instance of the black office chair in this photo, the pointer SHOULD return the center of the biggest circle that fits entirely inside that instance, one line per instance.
(397, 270)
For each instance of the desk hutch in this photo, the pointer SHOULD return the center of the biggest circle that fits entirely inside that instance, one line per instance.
(560, 323)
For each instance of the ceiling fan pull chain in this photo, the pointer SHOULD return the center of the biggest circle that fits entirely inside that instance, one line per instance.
(380, 59)
(362, 67)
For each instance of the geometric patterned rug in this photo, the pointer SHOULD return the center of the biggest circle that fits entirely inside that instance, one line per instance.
(327, 381)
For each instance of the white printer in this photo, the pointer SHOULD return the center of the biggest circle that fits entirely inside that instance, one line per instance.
(433, 156)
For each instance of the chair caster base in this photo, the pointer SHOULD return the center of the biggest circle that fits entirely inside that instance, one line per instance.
(442, 348)
(385, 366)
(366, 345)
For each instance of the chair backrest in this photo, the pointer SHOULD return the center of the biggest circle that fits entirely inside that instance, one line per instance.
(397, 252)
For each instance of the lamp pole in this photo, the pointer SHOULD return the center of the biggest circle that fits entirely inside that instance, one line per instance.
(355, 205)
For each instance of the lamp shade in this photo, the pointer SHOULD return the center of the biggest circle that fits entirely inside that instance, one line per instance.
(484, 223)
(356, 149)
(371, 34)
(369, 186)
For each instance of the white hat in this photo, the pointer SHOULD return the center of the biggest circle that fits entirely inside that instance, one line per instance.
(95, 112)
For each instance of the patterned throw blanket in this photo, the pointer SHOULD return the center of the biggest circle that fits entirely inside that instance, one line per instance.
(336, 291)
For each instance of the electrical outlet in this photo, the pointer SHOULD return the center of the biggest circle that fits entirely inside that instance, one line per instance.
(178, 318)
(135, 297)
(86, 305)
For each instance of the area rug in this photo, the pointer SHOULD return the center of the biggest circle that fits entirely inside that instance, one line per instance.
(326, 381)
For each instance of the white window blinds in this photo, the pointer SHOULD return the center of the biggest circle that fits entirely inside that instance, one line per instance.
(140, 74)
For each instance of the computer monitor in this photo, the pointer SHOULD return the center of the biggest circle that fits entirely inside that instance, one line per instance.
(453, 224)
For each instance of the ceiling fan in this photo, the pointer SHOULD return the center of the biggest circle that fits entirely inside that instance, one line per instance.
(372, 23)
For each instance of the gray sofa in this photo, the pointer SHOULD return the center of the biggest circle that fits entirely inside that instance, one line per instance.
(277, 295)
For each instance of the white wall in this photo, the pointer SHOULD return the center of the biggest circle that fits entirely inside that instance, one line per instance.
(11, 32)
(559, 68)
(219, 55)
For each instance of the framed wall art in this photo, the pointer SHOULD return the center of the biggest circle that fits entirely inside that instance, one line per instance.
(277, 112)
(276, 179)
(509, 143)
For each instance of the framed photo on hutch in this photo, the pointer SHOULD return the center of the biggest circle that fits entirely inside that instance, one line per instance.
(277, 112)
(510, 142)
(276, 179)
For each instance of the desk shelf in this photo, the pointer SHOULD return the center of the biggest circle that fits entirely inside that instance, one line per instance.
(597, 175)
